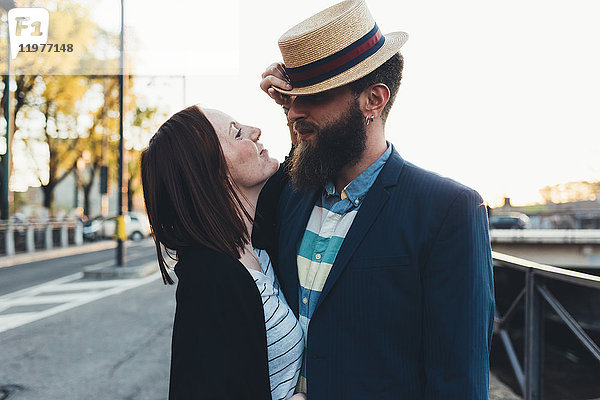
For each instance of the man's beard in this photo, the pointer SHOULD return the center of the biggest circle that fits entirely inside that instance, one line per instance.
(337, 145)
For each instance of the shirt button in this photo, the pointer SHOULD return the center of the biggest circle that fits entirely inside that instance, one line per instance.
(304, 300)
(318, 256)
(356, 201)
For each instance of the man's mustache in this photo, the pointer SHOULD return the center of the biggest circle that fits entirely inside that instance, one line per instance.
(304, 126)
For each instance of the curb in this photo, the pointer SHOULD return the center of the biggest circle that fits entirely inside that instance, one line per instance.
(123, 272)
(9, 261)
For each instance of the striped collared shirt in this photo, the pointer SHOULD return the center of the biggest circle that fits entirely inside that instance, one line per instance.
(327, 227)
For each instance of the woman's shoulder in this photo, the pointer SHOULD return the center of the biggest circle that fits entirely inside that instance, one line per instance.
(205, 262)
(199, 252)
(209, 274)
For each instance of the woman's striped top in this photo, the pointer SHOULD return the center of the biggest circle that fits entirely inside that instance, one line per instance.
(285, 342)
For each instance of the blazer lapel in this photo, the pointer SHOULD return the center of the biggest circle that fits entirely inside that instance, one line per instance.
(374, 201)
(297, 211)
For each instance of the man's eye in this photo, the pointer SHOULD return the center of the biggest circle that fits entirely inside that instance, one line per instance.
(317, 98)
(239, 133)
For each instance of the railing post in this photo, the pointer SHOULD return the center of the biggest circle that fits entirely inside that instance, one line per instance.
(64, 234)
(30, 238)
(534, 339)
(10, 239)
(49, 238)
(78, 233)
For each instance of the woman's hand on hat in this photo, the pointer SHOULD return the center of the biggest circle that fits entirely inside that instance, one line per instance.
(275, 75)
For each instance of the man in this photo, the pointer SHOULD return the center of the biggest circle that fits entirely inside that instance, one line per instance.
(387, 266)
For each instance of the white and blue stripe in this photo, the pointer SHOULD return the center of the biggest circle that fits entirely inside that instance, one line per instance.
(285, 341)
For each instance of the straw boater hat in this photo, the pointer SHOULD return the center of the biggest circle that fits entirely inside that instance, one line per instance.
(334, 47)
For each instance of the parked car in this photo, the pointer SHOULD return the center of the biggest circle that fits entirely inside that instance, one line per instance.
(509, 221)
(92, 228)
(137, 227)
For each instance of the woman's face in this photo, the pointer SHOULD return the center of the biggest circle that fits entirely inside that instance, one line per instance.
(248, 161)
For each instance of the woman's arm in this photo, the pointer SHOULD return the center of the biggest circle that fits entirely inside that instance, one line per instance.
(219, 341)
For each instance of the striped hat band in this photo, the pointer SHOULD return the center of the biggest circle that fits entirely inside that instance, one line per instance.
(325, 68)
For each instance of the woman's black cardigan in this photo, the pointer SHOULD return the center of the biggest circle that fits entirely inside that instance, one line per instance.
(219, 348)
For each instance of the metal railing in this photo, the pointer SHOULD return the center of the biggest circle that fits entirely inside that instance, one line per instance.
(28, 237)
(555, 236)
(535, 293)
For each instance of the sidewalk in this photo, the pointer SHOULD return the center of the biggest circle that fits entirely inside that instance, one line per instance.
(23, 258)
(499, 391)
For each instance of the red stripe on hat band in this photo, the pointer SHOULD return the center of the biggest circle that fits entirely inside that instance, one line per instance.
(337, 62)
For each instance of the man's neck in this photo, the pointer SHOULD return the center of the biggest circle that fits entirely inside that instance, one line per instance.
(375, 147)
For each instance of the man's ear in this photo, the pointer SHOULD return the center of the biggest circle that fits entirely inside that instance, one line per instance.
(375, 98)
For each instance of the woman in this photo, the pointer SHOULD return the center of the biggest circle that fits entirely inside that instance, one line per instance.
(234, 336)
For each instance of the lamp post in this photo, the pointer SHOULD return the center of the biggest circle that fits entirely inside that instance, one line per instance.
(122, 188)
(104, 168)
(8, 111)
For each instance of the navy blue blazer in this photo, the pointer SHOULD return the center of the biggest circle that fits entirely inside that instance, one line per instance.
(408, 308)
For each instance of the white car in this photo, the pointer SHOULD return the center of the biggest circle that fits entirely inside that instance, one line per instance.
(137, 226)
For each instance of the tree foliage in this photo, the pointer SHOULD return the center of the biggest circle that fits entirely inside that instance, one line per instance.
(60, 116)
(570, 192)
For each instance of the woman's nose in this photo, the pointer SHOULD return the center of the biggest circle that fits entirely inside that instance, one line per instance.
(255, 134)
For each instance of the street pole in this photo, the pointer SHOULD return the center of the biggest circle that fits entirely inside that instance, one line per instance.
(122, 187)
(76, 194)
(104, 166)
(8, 110)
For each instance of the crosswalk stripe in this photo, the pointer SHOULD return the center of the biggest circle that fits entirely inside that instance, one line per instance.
(73, 294)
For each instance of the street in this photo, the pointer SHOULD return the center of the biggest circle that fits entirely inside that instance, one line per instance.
(64, 337)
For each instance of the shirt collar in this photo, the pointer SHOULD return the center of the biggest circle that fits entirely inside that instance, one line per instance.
(356, 190)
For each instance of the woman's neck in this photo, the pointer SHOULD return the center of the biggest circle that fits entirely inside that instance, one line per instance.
(249, 199)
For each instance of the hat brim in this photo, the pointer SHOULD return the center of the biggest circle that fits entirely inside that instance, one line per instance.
(393, 42)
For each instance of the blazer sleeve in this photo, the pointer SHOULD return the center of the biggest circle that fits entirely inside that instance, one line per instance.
(219, 341)
(459, 304)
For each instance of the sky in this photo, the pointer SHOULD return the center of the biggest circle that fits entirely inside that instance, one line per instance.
(501, 96)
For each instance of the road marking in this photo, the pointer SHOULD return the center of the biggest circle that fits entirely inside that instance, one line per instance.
(84, 285)
(74, 294)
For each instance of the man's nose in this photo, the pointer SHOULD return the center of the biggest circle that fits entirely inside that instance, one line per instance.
(297, 110)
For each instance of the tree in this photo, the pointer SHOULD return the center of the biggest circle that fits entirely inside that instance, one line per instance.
(56, 116)
(54, 101)
(142, 126)
(61, 131)
(571, 191)
(101, 149)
